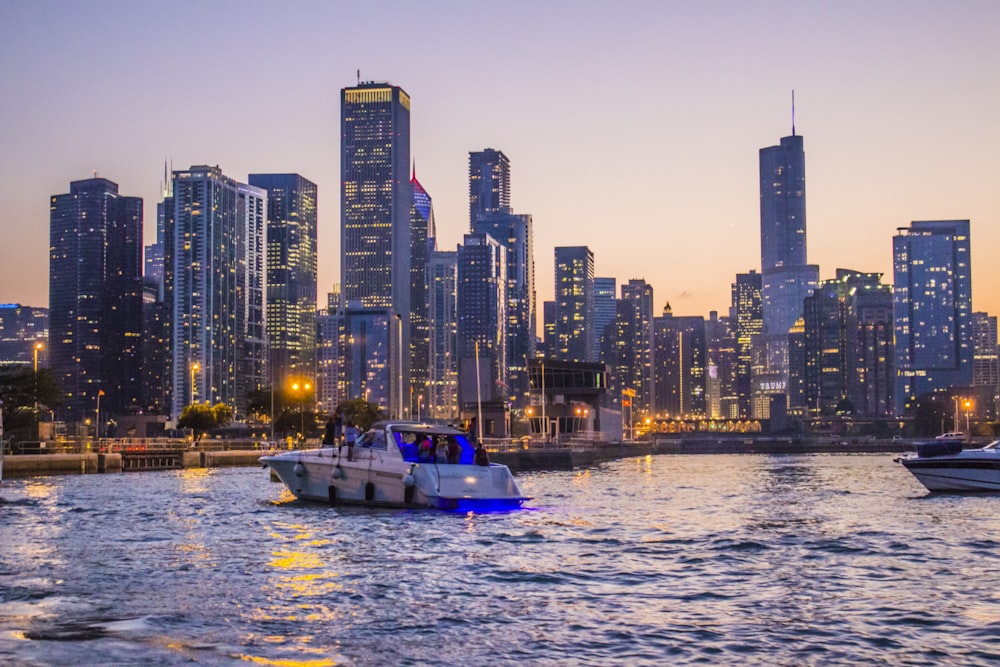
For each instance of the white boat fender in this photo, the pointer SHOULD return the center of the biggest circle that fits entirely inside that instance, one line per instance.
(408, 480)
(299, 469)
(338, 472)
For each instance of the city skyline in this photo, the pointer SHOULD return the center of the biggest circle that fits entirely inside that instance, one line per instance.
(893, 102)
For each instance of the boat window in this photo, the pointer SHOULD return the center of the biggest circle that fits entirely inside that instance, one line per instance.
(373, 439)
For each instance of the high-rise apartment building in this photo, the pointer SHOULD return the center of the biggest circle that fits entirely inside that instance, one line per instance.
(720, 372)
(847, 347)
(329, 338)
(679, 365)
(95, 297)
(932, 309)
(24, 335)
(574, 298)
(605, 311)
(747, 320)
(482, 315)
(291, 277)
(375, 215)
(515, 233)
(215, 272)
(985, 364)
(489, 184)
(633, 366)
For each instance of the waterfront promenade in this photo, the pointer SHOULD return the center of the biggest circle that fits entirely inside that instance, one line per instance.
(136, 455)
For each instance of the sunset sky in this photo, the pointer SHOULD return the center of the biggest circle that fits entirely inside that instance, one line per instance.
(632, 127)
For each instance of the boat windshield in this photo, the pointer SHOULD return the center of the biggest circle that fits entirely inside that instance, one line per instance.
(372, 439)
(422, 447)
(993, 445)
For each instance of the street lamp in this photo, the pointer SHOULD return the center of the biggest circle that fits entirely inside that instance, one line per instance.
(38, 346)
(302, 414)
(968, 412)
(955, 421)
(399, 404)
(194, 369)
(420, 399)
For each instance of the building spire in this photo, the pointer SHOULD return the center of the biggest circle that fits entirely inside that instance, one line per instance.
(793, 112)
(414, 170)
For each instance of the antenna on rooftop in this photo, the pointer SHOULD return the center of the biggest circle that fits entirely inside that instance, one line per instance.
(359, 77)
(793, 112)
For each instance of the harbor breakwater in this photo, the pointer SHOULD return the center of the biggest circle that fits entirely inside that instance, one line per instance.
(579, 455)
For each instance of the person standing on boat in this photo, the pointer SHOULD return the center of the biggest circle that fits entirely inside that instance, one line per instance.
(454, 451)
(329, 433)
(442, 451)
(350, 437)
(338, 426)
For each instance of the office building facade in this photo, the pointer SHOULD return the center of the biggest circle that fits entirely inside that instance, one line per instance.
(216, 280)
(95, 298)
(481, 329)
(574, 299)
(376, 200)
(489, 184)
(291, 277)
(932, 309)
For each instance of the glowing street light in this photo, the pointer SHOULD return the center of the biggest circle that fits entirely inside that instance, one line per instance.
(195, 366)
(305, 386)
(38, 347)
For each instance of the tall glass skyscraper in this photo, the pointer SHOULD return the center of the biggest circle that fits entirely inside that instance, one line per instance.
(932, 309)
(375, 215)
(747, 317)
(291, 276)
(423, 243)
(482, 315)
(605, 309)
(489, 184)
(216, 283)
(515, 233)
(95, 297)
(574, 313)
(786, 278)
(442, 380)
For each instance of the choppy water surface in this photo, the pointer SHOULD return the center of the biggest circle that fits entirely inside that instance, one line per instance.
(791, 560)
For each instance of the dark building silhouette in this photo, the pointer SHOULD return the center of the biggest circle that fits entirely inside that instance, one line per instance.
(95, 298)
(679, 365)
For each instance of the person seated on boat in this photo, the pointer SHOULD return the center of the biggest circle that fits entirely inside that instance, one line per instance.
(425, 450)
(441, 451)
(482, 457)
(454, 451)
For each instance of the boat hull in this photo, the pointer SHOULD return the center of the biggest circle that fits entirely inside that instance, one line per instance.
(956, 473)
(328, 476)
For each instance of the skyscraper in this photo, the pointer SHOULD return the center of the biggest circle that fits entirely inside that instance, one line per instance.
(489, 184)
(932, 308)
(375, 213)
(605, 309)
(516, 234)
(216, 282)
(95, 297)
(423, 243)
(633, 366)
(985, 365)
(442, 381)
(679, 365)
(482, 315)
(746, 317)
(574, 297)
(291, 277)
(786, 278)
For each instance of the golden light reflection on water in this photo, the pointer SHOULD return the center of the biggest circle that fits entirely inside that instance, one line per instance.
(195, 480)
(258, 660)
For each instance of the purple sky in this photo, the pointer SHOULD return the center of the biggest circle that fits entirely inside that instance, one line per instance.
(632, 128)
